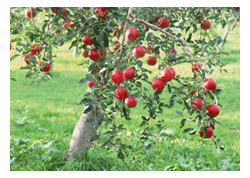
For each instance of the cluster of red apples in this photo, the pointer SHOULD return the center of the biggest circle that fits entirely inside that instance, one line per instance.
(36, 49)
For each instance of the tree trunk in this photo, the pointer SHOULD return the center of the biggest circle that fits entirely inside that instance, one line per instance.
(86, 126)
(75, 50)
(225, 34)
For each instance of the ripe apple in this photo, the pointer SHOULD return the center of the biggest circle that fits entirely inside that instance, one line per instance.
(192, 92)
(26, 56)
(117, 77)
(213, 110)
(116, 47)
(149, 48)
(128, 73)
(91, 83)
(87, 40)
(174, 51)
(139, 51)
(46, 68)
(166, 75)
(57, 31)
(131, 102)
(10, 46)
(163, 23)
(101, 11)
(158, 84)
(151, 60)
(68, 22)
(35, 49)
(237, 8)
(198, 103)
(30, 14)
(173, 72)
(209, 132)
(85, 53)
(116, 42)
(132, 34)
(209, 84)
(114, 33)
(121, 94)
(64, 12)
(205, 25)
(54, 9)
(94, 54)
(196, 67)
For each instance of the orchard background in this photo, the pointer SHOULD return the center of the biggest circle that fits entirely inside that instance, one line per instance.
(43, 116)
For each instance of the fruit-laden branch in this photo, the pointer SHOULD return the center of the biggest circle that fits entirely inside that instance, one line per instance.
(124, 31)
(165, 32)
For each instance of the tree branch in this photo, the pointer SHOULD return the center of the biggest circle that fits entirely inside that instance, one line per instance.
(167, 33)
(124, 31)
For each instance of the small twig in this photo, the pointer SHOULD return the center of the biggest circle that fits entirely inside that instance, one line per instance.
(124, 31)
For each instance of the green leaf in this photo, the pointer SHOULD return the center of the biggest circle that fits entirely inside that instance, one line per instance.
(14, 56)
(179, 112)
(88, 109)
(189, 130)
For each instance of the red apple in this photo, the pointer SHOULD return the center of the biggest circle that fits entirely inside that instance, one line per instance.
(131, 102)
(151, 60)
(54, 9)
(91, 83)
(64, 12)
(163, 23)
(94, 54)
(26, 56)
(30, 14)
(128, 73)
(149, 48)
(87, 40)
(69, 21)
(10, 46)
(213, 110)
(196, 67)
(158, 84)
(85, 53)
(114, 33)
(174, 51)
(192, 92)
(237, 8)
(121, 94)
(46, 68)
(166, 75)
(116, 42)
(117, 77)
(209, 132)
(57, 31)
(101, 11)
(139, 51)
(173, 71)
(116, 47)
(205, 24)
(132, 34)
(209, 84)
(35, 49)
(198, 103)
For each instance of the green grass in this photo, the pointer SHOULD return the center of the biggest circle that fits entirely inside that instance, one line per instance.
(43, 116)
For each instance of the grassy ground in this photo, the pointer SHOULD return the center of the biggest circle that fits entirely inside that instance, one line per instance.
(43, 116)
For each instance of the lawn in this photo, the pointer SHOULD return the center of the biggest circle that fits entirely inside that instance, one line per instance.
(43, 116)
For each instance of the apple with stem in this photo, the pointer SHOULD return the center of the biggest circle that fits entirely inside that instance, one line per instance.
(213, 110)
(132, 34)
(120, 93)
(151, 60)
(94, 54)
(158, 84)
(139, 51)
(209, 133)
(209, 85)
(128, 74)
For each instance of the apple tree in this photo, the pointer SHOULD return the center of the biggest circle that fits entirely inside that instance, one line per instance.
(113, 41)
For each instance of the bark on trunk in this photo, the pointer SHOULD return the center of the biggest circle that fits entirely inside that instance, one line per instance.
(75, 50)
(86, 126)
(83, 132)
